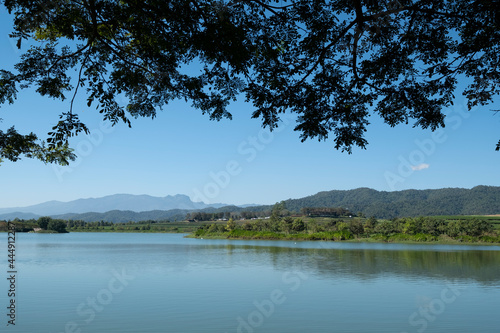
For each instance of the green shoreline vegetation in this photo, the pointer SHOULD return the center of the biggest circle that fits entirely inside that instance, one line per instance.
(280, 225)
(49, 225)
(327, 224)
(414, 230)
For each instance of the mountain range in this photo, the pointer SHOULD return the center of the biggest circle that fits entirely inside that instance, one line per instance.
(480, 200)
(135, 203)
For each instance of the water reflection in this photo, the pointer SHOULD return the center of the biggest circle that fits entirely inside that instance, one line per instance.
(191, 285)
(482, 266)
(362, 261)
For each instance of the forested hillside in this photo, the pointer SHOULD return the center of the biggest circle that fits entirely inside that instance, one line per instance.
(123, 216)
(480, 200)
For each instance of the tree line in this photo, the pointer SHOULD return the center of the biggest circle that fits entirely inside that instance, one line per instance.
(325, 211)
(207, 216)
(48, 224)
(247, 215)
(44, 224)
(225, 215)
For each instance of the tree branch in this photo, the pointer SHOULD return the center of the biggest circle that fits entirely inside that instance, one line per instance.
(78, 83)
(323, 52)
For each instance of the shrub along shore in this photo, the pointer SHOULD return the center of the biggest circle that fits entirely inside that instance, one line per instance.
(419, 229)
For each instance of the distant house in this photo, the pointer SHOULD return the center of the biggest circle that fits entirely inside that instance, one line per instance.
(37, 229)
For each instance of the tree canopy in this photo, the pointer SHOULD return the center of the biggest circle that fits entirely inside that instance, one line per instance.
(332, 63)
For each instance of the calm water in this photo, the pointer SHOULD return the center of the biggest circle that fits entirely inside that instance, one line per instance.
(97, 282)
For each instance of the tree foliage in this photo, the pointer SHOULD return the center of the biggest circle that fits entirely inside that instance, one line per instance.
(13, 145)
(44, 221)
(332, 63)
(57, 225)
(231, 225)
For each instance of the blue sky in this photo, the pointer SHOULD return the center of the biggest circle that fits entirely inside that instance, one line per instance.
(236, 161)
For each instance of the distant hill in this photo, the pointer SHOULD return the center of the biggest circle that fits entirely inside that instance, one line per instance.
(129, 202)
(123, 216)
(480, 200)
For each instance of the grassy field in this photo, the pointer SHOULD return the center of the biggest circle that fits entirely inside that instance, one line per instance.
(171, 227)
(493, 219)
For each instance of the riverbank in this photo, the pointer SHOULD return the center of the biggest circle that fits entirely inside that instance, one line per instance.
(347, 237)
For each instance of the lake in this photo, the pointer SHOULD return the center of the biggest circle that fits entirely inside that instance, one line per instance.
(125, 282)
